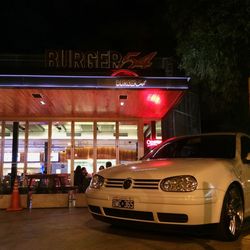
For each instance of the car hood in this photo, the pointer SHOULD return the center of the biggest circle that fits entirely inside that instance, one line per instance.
(159, 169)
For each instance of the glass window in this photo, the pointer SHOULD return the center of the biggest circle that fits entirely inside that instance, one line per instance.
(60, 145)
(245, 147)
(106, 140)
(214, 146)
(7, 158)
(128, 142)
(37, 147)
(84, 135)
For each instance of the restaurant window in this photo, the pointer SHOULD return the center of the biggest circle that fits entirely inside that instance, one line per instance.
(60, 142)
(106, 140)
(83, 138)
(128, 142)
(7, 148)
(37, 148)
(7, 156)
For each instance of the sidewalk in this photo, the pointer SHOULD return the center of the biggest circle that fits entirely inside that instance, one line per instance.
(75, 229)
(43, 229)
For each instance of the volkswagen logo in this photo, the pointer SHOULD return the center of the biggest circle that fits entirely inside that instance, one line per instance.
(127, 183)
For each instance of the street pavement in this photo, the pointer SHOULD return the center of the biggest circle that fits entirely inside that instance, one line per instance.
(74, 228)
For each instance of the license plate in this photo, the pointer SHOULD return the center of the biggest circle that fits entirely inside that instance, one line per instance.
(123, 203)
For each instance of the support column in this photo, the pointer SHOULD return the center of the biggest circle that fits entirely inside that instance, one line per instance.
(95, 148)
(26, 147)
(72, 153)
(45, 158)
(117, 142)
(153, 130)
(2, 149)
(49, 167)
(14, 152)
(140, 136)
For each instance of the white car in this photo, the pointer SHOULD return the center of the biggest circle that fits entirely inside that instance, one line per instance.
(188, 180)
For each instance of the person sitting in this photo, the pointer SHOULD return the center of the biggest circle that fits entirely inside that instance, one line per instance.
(101, 167)
(108, 164)
(78, 179)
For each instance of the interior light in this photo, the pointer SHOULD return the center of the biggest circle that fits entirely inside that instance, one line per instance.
(122, 103)
(42, 102)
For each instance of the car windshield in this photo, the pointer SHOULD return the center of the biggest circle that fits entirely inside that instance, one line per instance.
(206, 146)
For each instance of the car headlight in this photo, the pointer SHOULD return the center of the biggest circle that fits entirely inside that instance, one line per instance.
(182, 183)
(97, 181)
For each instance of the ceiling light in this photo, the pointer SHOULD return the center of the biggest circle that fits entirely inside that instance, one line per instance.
(42, 102)
(155, 98)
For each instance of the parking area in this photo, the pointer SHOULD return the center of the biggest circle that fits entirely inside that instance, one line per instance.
(74, 228)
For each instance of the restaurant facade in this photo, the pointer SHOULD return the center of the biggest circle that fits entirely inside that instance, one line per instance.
(67, 108)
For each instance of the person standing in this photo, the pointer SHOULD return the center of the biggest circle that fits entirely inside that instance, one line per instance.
(78, 179)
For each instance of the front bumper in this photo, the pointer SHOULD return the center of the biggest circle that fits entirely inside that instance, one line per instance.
(190, 208)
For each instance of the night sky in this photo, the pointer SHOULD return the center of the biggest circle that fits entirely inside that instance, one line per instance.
(33, 26)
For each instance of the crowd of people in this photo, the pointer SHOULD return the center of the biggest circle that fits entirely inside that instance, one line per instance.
(82, 178)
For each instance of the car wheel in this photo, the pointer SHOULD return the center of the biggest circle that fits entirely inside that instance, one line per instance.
(232, 215)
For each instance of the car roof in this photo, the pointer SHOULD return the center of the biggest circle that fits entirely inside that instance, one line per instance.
(207, 134)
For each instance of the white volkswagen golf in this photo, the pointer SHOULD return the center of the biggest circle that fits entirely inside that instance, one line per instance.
(189, 180)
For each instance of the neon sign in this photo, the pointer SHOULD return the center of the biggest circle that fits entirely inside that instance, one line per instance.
(152, 143)
(75, 59)
(130, 83)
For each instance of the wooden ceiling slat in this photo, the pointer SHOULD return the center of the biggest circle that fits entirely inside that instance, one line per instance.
(85, 103)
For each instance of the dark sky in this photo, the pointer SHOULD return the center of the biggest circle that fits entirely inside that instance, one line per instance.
(31, 26)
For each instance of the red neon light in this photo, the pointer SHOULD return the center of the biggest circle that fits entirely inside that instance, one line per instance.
(152, 143)
(124, 72)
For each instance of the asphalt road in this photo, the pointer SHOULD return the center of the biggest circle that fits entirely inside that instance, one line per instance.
(72, 229)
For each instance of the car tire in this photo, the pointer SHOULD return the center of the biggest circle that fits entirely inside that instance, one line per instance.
(232, 215)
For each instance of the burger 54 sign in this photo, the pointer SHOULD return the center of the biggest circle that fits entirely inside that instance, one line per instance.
(74, 59)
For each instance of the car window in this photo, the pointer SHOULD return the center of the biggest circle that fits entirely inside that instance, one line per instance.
(245, 147)
(212, 146)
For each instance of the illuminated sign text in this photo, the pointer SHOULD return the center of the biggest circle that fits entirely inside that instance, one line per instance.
(130, 83)
(75, 59)
(152, 143)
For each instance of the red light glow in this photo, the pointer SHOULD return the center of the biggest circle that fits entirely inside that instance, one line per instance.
(154, 98)
(124, 72)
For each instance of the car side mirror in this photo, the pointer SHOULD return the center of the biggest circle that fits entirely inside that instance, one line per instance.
(247, 159)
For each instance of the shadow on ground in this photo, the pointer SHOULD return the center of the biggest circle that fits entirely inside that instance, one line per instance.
(163, 232)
